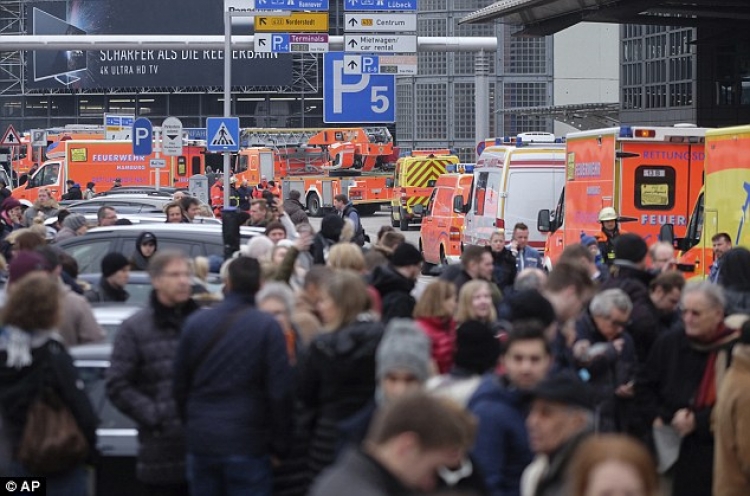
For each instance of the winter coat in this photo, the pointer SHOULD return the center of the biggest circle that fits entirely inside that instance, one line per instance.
(504, 269)
(140, 385)
(528, 258)
(669, 381)
(606, 372)
(47, 209)
(19, 387)
(138, 261)
(296, 211)
(737, 301)
(105, 292)
(360, 474)
(395, 292)
(329, 234)
(644, 323)
(551, 478)
(89, 194)
(352, 214)
(65, 233)
(78, 324)
(442, 334)
(502, 448)
(74, 193)
(731, 424)
(336, 379)
(459, 386)
(238, 401)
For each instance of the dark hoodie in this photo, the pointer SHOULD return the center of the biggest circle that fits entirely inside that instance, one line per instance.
(395, 292)
(329, 234)
(502, 448)
(139, 262)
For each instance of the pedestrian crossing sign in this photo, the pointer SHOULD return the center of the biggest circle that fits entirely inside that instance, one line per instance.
(10, 138)
(223, 134)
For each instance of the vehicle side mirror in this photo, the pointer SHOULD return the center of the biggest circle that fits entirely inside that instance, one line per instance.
(458, 204)
(543, 221)
(389, 182)
(418, 209)
(666, 234)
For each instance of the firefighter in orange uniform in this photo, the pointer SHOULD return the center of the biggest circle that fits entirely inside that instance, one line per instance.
(260, 187)
(217, 196)
(610, 232)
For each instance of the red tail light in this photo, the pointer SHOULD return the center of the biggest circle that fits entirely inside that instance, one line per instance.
(500, 223)
(454, 234)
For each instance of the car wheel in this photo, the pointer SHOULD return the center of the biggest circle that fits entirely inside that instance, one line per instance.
(313, 205)
(443, 258)
(403, 222)
(426, 266)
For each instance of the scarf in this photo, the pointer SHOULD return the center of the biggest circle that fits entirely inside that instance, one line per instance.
(716, 365)
(19, 344)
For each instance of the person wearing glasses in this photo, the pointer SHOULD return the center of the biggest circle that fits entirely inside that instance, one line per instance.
(604, 354)
(106, 216)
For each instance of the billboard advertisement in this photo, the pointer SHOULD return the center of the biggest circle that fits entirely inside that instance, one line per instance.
(143, 68)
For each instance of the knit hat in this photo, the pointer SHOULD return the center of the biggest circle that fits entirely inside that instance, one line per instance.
(587, 240)
(564, 387)
(530, 304)
(25, 262)
(74, 222)
(630, 247)
(406, 254)
(404, 347)
(10, 203)
(477, 348)
(113, 262)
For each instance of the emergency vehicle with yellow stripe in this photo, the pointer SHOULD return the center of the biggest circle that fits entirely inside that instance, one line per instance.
(413, 182)
(722, 205)
(650, 175)
(513, 179)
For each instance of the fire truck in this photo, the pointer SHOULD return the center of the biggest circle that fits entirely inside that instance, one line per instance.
(25, 156)
(320, 164)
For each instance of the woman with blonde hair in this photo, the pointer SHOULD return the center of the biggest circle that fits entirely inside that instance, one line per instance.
(346, 256)
(337, 376)
(475, 303)
(612, 464)
(434, 314)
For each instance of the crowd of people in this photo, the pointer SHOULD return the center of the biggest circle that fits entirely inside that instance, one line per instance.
(329, 368)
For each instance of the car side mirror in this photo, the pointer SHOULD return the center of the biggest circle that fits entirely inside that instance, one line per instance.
(458, 204)
(543, 221)
(389, 182)
(666, 234)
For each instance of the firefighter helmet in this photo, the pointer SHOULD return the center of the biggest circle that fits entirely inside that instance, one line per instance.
(607, 213)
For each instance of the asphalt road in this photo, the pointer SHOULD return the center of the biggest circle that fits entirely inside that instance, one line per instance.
(372, 224)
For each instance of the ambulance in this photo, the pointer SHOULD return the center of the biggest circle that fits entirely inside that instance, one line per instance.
(443, 220)
(723, 205)
(650, 175)
(512, 181)
(413, 181)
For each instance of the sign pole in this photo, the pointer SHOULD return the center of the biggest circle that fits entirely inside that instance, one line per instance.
(157, 138)
(227, 94)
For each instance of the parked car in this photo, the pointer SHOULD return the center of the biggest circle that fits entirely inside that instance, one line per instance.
(131, 203)
(110, 316)
(195, 240)
(139, 287)
(137, 218)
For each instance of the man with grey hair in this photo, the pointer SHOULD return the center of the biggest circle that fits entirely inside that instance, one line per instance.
(530, 278)
(662, 257)
(605, 354)
(676, 389)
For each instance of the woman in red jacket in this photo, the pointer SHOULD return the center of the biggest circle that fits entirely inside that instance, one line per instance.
(434, 313)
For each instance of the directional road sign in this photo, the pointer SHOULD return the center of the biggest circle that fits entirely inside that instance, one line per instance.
(10, 138)
(317, 5)
(223, 134)
(380, 43)
(375, 5)
(142, 136)
(118, 127)
(356, 98)
(402, 65)
(38, 137)
(290, 43)
(297, 22)
(377, 22)
(171, 137)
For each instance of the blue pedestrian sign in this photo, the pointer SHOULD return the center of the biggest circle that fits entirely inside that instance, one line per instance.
(310, 5)
(378, 5)
(223, 134)
(355, 98)
(143, 142)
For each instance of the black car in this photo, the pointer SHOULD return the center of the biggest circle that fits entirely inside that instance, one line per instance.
(193, 239)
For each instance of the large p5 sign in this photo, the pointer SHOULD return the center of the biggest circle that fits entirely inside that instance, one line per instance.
(356, 98)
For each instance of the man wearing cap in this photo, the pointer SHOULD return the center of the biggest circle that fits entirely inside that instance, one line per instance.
(294, 208)
(610, 232)
(629, 274)
(115, 276)
(561, 416)
(502, 448)
(145, 249)
(396, 280)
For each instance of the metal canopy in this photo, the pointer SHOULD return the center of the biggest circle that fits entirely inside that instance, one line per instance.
(581, 116)
(545, 17)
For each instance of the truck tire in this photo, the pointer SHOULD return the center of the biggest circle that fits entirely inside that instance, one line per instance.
(403, 222)
(443, 259)
(394, 222)
(426, 266)
(313, 205)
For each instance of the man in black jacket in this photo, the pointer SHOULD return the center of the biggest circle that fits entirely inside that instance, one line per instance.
(233, 388)
(396, 281)
(115, 276)
(346, 210)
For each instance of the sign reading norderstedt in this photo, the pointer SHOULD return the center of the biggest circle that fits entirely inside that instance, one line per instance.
(377, 22)
(297, 22)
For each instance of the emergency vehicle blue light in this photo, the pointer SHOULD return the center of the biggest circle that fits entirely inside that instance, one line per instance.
(450, 168)
(468, 168)
(626, 132)
(519, 141)
(560, 140)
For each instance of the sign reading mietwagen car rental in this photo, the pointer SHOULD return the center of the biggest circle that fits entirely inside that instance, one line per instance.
(143, 68)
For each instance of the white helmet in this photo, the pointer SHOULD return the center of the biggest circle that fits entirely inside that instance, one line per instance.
(607, 213)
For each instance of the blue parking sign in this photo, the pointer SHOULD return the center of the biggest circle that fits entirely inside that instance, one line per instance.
(355, 98)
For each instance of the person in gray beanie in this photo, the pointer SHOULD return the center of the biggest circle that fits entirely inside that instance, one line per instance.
(73, 225)
(403, 363)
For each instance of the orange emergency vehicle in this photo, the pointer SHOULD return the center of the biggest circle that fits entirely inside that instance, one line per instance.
(27, 155)
(102, 161)
(723, 205)
(649, 175)
(413, 180)
(443, 221)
